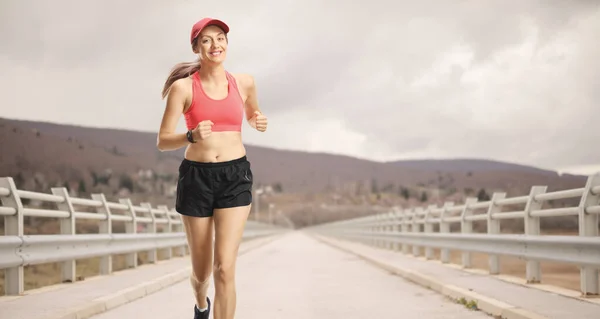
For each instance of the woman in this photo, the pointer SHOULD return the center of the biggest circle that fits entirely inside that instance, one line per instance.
(215, 179)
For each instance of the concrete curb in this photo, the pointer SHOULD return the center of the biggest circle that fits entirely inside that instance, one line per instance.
(486, 304)
(109, 302)
(522, 282)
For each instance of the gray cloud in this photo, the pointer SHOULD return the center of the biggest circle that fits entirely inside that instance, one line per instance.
(383, 81)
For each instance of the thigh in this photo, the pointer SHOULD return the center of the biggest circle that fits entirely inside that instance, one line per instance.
(234, 186)
(229, 228)
(199, 233)
(194, 195)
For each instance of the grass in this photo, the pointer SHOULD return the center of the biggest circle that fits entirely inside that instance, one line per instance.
(470, 304)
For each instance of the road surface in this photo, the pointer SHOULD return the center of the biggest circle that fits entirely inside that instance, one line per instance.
(297, 277)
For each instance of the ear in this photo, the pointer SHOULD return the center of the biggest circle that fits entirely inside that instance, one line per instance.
(195, 46)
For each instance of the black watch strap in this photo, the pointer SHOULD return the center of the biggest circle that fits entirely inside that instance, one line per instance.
(190, 137)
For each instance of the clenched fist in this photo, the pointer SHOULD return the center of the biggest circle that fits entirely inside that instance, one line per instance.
(203, 130)
(260, 121)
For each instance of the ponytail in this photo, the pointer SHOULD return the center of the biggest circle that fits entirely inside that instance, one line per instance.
(180, 71)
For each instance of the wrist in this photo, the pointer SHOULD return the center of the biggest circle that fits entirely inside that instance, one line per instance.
(190, 136)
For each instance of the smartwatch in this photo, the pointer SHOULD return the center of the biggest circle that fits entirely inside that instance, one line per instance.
(190, 137)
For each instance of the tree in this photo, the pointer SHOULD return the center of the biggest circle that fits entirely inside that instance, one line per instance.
(126, 182)
(277, 187)
(482, 195)
(374, 186)
(424, 197)
(404, 192)
(81, 189)
(19, 180)
(388, 188)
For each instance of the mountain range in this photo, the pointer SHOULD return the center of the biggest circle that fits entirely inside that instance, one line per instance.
(71, 152)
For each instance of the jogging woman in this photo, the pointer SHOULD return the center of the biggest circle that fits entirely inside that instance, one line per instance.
(215, 179)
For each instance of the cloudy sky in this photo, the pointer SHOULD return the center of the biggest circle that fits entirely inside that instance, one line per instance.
(381, 80)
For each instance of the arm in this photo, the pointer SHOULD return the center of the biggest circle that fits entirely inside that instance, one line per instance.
(251, 103)
(167, 139)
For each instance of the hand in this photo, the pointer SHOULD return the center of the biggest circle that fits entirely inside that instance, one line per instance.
(203, 130)
(260, 121)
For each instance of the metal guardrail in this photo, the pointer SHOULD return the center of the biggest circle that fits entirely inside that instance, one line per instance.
(403, 229)
(18, 250)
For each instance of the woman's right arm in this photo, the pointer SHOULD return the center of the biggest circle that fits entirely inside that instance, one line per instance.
(168, 139)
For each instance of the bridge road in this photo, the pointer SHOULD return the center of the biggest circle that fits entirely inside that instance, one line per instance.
(297, 276)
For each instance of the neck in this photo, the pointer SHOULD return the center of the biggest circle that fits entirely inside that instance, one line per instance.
(212, 73)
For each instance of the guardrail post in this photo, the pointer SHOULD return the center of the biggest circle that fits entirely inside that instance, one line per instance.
(67, 227)
(165, 209)
(416, 228)
(105, 227)
(466, 227)
(370, 228)
(181, 250)
(130, 228)
(493, 228)
(397, 228)
(390, 228)
(588, 227)
(152, 254)
(14, 283)
(360, 227)
(533, 272)
(405, 228)
(444, 229)
(377, 229)
(428, 229)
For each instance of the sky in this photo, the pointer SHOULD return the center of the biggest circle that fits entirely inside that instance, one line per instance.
(380, 80)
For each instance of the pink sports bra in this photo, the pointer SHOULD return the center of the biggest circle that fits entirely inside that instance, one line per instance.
(226, 114)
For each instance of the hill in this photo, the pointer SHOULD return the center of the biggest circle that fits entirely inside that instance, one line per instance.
(66, 150)
(127, 163)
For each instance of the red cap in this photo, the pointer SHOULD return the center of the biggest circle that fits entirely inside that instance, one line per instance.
(205, 22)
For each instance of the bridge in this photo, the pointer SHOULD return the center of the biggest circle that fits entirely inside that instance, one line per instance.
(394, 265)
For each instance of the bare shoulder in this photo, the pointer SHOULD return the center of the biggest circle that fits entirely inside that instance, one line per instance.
(181, 86)
(179, 96)
(244, 80)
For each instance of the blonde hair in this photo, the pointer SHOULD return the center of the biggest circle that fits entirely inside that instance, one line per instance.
(183, 69)
(180, 71)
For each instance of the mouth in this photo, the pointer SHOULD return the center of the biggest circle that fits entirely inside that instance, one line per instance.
(215, 53)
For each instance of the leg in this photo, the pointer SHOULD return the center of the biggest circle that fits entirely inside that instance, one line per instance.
(229, 227)
(194, 201)
(199, 232)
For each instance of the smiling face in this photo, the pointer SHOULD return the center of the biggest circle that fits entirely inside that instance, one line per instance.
(211, 45)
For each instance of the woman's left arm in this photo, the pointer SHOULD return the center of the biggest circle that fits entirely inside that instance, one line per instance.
(254, 115)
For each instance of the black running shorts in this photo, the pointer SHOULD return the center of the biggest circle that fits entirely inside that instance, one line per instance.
(203, 186)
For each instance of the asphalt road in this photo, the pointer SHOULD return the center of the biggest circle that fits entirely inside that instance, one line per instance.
(298, 277)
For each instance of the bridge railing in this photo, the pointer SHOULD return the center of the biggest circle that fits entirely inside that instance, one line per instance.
(147, 228)
(403, 229)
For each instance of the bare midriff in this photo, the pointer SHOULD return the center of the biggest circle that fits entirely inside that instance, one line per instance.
(218, 147)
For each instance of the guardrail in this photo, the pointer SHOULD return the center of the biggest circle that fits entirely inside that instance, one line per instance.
(18, 250)
(401, 229)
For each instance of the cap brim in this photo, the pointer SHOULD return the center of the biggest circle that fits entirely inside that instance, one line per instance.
(219, 24)
(215, 22)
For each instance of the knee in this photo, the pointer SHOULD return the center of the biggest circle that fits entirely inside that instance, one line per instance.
(224, 272)
(199, 284)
